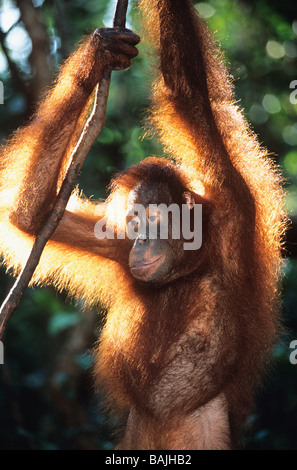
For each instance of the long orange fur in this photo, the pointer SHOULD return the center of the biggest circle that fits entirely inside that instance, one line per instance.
(232, 309)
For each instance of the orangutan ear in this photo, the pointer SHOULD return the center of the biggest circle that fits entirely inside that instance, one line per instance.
(189, 199)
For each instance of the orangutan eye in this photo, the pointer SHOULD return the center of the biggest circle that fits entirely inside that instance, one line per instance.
(153, 218)
(133, 223)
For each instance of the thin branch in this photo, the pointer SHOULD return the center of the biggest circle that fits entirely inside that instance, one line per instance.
(88, 136)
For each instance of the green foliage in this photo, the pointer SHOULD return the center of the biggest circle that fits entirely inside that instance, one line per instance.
(47, 364)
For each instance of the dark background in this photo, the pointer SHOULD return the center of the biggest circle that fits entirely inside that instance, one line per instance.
(47, 399)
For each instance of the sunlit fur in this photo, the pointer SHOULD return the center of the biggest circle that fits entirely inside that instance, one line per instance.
(189, 354)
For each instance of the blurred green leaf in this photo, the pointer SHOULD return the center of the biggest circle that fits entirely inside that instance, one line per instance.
(62, 321)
